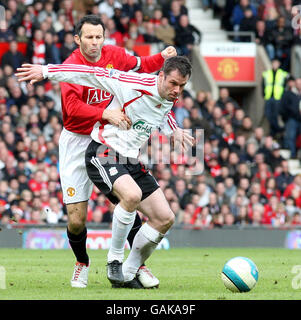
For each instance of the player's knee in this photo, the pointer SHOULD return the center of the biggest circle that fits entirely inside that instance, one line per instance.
(76, 226)
(168, 219)
(133, 198)
(76, 221)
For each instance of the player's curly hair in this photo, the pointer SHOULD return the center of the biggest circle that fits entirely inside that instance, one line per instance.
(180, 63)
(90, 19)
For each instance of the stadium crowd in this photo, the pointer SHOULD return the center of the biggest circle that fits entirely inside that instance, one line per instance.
(246, 181)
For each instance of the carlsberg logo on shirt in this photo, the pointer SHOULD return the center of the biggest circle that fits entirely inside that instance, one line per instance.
(142, 128)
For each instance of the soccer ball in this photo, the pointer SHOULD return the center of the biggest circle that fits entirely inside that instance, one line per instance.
(240, 274)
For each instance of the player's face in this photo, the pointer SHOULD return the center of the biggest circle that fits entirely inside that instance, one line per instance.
(91, 41)
(172, 85)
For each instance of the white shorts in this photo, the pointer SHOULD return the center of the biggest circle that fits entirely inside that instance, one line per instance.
(76, 185)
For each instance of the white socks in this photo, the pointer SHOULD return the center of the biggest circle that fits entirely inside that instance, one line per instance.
(121, 226)
(145, 242)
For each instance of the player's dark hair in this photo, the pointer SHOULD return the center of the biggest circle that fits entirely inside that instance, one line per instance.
(180, 63)
(90, 19)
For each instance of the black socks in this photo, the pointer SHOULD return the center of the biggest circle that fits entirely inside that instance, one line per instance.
(78, 245)
(78, 241)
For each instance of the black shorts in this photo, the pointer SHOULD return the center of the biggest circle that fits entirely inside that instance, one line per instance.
(104, 166)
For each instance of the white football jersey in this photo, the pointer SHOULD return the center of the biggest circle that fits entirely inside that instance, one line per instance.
(136, 93)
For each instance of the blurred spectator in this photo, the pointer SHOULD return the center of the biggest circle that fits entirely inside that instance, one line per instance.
(290, 207)
(262, 34)
(291, 114)
(269, 12)
(13, 57)
(248, 24)
(285, 10)
(273, 85)
(21, 35)
(36, 50)
(150, 34)
(186, 35)
(129, 47)
(7, 34)
(296, 219)
(55, 95)
(174, 11)
(140, 21)
(275, 158)
(246, 128)
(133, 33)
(113, 33)
(47, 12)
(165, 32)
(16, 17)
(97, 216)
(176, 209)
(182, 193)
(203, 219)
(242, 216)
(257, 216)
(224, 98)
(58, 25)
(108, 7)
(129, 7)
(66, 7)
(67, 47)
(238, 13)
(27, 23)
(54, 212)
(17, 97)
(157, 17)
(52, 53)
(148, 8)
(280, 44)
(284, 178)
(237, 119)
(67, 27)
(294, 190)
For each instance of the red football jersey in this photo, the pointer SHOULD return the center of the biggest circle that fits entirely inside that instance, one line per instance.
(82, 106)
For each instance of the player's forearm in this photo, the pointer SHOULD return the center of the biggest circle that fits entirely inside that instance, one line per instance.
(152, 63)
(77, 74)
(75, 107)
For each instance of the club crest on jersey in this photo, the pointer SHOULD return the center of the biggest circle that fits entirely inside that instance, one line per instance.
(71, 192)
(97, 96)
(142, 128)
(114, 73)
(113, 171)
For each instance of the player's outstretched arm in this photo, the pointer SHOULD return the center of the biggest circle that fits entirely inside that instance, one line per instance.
(77, 74)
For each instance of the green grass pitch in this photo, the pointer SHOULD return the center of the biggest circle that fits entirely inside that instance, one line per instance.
(185, 274)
